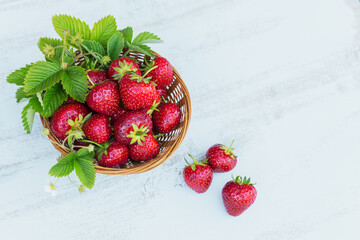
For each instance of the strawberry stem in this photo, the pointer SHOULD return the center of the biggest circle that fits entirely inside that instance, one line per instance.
(229, 148)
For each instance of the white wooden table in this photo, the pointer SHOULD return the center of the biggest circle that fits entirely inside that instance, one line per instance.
(281, 77)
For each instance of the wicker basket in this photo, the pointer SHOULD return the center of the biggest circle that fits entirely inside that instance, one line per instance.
(177, 93)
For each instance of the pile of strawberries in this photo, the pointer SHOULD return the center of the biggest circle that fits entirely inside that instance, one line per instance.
(125, 111)
(238, 194)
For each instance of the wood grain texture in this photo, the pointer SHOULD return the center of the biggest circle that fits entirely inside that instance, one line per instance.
(280, 77)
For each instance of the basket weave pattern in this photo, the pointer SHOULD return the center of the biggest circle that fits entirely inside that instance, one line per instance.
(177, 93)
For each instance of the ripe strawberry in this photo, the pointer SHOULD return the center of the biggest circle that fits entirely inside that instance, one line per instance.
(238, 195)
(150, 108)
(198, 175)
(162, 92)
(167, 117)
(121, 66)
(59, 121)
(163, 74)
(136, 92)
(148, 149)
(117, 114)
(131, 125)
(97, 128)
(69, 100)
(96, 76)
(113, 155)
(104, 98)
(221, 158)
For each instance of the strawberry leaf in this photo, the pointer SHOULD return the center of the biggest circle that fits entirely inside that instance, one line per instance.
(47, 46)
(41, 76)
(94, 48)
(75, 83)
(21, 95)
(103, 30)
(141, 48)
(128, 34)
(84, 168)
(17, 77)
(53, 98)
(146, 37)
(64, 167)
(115, 45)
(36, 104)
(74, 25)
(27, 116)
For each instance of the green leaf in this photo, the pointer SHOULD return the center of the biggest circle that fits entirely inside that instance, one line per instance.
(84, 168)
(53, 99)
(146, 37)
(27, 116)
(17, 77)
(142, 49)
(64, 167)
(41, 76)
(75, 83)
(36, 104)
(103, 30)
(94, 47)
(44, 44)
(74, 25)
(115, 45)
(21, 95)
(128, 34)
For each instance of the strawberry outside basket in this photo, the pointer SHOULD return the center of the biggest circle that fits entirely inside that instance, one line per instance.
(177, 93)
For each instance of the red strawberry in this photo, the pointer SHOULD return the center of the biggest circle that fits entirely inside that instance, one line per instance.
(238, 195)
(167, 117)
(104, 98)
(124, 127)
(117, 114)
(114, 155)
(198, 175)
(221, 158)
(59, 120)
(150, 108)
(96, 76)
(97, 128)
(69, 100)
(162, 92)
(163, 74)
(148, 149)
(136, 92)
(121, 66)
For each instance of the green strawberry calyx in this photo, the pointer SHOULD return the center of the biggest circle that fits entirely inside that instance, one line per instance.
(123, 69)
(138, 134)
(76, 132)
(228, 150)
(195, 163)
(153, 108)
(242, 180)
(143, 78)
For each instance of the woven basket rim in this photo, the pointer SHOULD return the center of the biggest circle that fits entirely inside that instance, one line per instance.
(147, 165)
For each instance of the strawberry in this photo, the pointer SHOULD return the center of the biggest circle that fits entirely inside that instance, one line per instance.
(97, 128)
(238, 195)
(146, 150)
(198, 175)
(136, 92)
(131, 125)
(162, 92)
(69, 100)
(104, 98)
(121, 66)
(59, 121)
(162, 75)
(96, 76)
(117, 115)
(113, 155)
(167, 118)
(221, 158)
